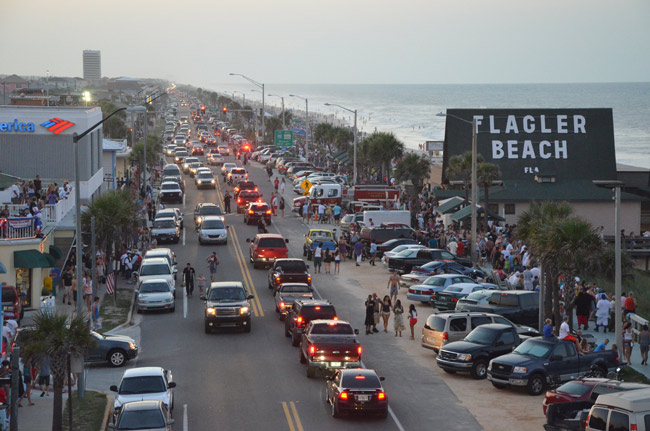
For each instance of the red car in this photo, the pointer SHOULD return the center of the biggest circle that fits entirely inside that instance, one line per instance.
(245, 197)
(197, 151)
(245, 185)
(587, 389)
(266, 247)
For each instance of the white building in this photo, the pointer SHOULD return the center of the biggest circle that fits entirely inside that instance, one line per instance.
(92, 64)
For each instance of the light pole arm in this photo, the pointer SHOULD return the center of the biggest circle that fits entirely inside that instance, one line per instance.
(76, 138)
(252, 81)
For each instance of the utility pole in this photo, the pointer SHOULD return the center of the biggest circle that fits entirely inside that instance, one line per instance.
(15, 369)
(472, 238)
(95, 283)
(618, 284)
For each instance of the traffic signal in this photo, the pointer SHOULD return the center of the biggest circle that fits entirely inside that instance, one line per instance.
(225, 110)
(202, 109)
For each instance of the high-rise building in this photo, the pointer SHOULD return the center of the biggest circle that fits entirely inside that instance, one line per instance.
(92, 64)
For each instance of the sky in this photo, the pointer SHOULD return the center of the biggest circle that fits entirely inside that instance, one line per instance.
(333, 42)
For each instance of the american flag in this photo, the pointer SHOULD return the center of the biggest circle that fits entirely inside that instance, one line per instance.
(110, 282)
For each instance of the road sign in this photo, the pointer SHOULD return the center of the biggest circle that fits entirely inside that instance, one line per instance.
(284, 138)
(306, 185)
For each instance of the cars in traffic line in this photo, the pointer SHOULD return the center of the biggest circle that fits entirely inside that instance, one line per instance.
(303, 312)
(155, 294)
(356, 391)
(144, 384)
(213, 230)
(288, 293)
(288, 270)
(328, 345)
(265, 248)
(227, 304)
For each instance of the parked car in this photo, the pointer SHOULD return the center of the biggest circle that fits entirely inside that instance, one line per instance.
(318, 236)
(425, 255)
(155, 294)
(144, 384)
(142, 415)
(417, 276)
(480, 297)
(447, 299)
(431, 285)
(394, 246)
(519, 306)
(213, 230)
(381, 234)
(537, 360)
(444, 327)
(356, 391)
(227, 304)
(628, 410)
(288, 293)
(475, 351)
(407, 253)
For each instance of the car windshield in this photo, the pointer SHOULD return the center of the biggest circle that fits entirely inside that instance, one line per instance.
(169, 186)
(295, 288)
(272, 242)
(142, 385)
(458, 289)
(252, 195)
(259, 207)
(481, 336)
(141, 420)
(405, 253)
(154, 287)
(154, 269)
(533, 348)
(332, 329)
(292, 266)
(210, 210)
(321, 234)
(477, 296)
(362, 381)
(500, 298)
(205, 175)
(574, 388)
(164, 224)
(434, 281)
(212, 224)
(227, 294)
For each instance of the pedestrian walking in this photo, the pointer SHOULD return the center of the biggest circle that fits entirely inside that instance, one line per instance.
(337, 262)
(398, 318)
(44, 377)
(385, 311)
(276, 184)
(630, 304)
(583, 308)
(327, 259)
(213, 263)
(88, 291)
(282, 186)
(226, 202)
(393, 286)
(377, 313)
(275, 203)
(373, 252)
(413, 319)
(343, 248)
(27, 380)
(644, 344)
(305, 212)
(96, 323)
(602, 312)
(201, 282)
(73, 291)
(318, 255)
(370, 311)
(188, 279)
(358, 251)
(628, 342)
(67, 285)
(282, 206)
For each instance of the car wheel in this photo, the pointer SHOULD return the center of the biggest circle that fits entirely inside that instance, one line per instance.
(117, 357)
(536, 385)
(335, 410)
(171, 310)
(311, 372)
(295, 341)
(282, 317)
(479, 370)
(200, 241)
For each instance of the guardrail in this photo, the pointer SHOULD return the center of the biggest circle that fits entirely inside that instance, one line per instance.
(17, 228)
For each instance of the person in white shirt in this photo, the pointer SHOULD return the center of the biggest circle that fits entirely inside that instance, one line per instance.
(452, 246)
(564, 328)
(15, 193)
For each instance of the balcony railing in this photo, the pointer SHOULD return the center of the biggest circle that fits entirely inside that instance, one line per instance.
(51, 215)
(17, 228)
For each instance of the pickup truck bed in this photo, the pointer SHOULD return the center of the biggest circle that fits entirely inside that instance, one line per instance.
(328, 352)
(567, 416)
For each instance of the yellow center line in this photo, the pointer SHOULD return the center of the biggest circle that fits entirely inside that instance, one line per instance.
(287, 414)
(246, 272)
(296, 417)
(242, 265)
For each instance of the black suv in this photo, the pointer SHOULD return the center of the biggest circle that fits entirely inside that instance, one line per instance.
(303, 312)
(381, 234)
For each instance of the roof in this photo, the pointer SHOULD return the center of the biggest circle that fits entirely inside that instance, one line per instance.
(466, 213)
(220, 284)
(154, 260)
(7, 180)
(143, 371)
(142, 405)
(14, 79)
(450, 204)
(633, 401)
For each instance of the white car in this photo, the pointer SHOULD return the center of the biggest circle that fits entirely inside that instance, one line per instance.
(227, 167)
(145, 384)
(400, 248)
(171, 212)
(154, 268)
(213, 231)
(170, 191)
(155, 294)
(166, 253)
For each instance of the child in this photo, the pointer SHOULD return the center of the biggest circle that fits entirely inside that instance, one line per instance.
(201, 282)
(413, 319)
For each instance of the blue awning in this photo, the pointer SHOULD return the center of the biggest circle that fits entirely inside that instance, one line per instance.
(3, 270)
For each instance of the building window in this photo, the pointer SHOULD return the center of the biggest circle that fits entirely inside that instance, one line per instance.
(509, 208)
(494, 208)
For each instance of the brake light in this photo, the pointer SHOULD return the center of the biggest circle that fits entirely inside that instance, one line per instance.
(277, 279)
(335, 318)
(238, 200)
(312, 350)
(359, 350)
(317, 308)
(343, 395)
(445, 336)
(454, 299)
(299, 320)
(251, 212)
(259, 200)
(255, 189)
(268, 211)
(360, 377)
(381, 396)
(309, 279)
(633, 427)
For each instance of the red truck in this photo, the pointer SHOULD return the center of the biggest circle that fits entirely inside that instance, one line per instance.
(333, 193)
(329, 345)
(288, 270)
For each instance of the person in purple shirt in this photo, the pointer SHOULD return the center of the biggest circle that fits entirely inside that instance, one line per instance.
(358, 249)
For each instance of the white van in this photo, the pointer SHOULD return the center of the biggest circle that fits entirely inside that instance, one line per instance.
(628, 410)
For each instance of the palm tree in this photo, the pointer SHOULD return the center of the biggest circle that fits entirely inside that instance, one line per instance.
(486, 174)
(54, 336)
(460, 166)
(384, 148)
(323, 133)
(414, 168)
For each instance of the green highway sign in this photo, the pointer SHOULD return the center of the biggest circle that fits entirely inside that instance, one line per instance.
(284, 138)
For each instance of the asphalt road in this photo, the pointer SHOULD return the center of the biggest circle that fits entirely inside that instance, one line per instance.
(231, 380)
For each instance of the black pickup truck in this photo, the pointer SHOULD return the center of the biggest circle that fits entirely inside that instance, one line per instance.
(329, 345)
(518, 306)
(288, 270)
(475, 351)
(426, 255)
(540, 360)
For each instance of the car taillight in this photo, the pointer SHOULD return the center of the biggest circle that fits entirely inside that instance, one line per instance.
(428, 292)
(251, 212)
(299, 320)
(238, 200)
(343, 395)
(445, 336)
(359, 350)
(381, 396)
(335, 318)
(277, 279)
(309, 279)
(312, 350)
(268, 211)
(454, 299)
(282, 305)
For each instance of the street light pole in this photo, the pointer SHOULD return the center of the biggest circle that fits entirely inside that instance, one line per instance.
(356, 137)
(260, 85)
(77, 195)
(308, 127)
(618, 288)
(284, 125)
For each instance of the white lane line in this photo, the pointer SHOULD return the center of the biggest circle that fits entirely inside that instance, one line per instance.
(184, 195)
(185, 427)
(183, 236)
(184, 302)
(390, 410)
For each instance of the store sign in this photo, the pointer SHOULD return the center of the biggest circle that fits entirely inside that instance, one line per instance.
(57, 125)
(16, 126)
(567, 143)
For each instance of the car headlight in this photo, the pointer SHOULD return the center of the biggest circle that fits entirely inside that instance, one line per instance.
(520, 370)
(212, 181)
(211, 311)
(464, 357)
(198, 181)
(132, 346)
(199, 219)
(244, 310)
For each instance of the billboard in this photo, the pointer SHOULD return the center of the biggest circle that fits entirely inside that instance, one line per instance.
(570, 144)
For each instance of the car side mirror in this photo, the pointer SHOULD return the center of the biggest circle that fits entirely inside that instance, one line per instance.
(381, 379)
(250, 297)
(113, 388)
(171, 385)
(203, 298)
(175, 270)
(286, 240)
(556, 358)
(356, 332)
(170, 422)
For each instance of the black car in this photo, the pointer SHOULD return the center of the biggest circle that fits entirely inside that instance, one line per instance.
(303, 312)
(425, 255)
(245, 185)
(382, 234)
(227, 304)
(392, 243)
(518, 306)
(356, 390)
(256, 211)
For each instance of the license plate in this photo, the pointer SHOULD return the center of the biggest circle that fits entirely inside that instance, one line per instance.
(335, 364)
(363, 398)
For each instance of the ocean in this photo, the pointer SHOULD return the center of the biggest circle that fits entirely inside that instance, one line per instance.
(409, 111)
